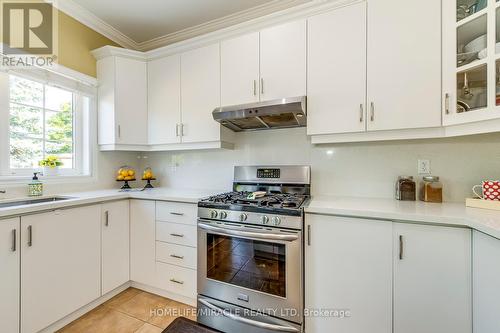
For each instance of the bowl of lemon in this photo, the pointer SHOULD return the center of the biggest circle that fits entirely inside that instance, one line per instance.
(125, 174)
(148, 176)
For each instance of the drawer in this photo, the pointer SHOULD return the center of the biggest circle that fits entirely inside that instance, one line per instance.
(176, 255)
(176, 212)
(178, 280)
(175, 233)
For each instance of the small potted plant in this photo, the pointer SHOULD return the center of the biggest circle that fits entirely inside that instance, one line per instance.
(50, 165)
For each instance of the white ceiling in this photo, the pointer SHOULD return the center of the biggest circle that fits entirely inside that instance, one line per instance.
(143, 20)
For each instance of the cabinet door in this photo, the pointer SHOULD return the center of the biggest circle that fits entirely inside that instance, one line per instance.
(200, 94)
(164, 100)
(432, 279)
(404, 64)
(283, 61)
(336, 71)
(486, 275)
(240, 70)
(142, 241)
(131, 101)
(115, 245)
(348, 266)
(9, 278)
(60, 264)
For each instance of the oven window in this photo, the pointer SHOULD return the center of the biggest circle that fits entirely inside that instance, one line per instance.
(247, 263)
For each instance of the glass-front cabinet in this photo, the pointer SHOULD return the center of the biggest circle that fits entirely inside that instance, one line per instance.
(471, 61)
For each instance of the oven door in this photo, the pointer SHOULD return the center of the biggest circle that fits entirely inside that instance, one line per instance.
(254, 267)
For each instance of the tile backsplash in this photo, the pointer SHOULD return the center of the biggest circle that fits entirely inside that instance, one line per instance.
(360, 169)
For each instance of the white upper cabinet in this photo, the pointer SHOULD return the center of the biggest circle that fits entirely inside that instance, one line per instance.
(240, 70)
(115, 245)
(336, 71)
(404, 64)
(283, 61)
(200, 94)
(432, 279)
(122, 103)
(471, 36)
(164, 100)
(10, 259)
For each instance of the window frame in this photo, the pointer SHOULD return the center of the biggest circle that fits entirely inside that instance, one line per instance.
(84, 107)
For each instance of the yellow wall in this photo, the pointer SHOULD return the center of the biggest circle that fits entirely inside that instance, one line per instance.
(75, 43)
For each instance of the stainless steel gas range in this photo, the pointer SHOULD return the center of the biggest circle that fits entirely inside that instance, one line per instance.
(250, 252)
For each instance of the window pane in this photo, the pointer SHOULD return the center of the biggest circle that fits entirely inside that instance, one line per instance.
(25, 153)
(59, 125)
(63, 150)
(58, 99)
(26, 91)
(26, 121)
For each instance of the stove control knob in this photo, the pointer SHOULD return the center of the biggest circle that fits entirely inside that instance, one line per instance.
(265, 219)
(276, 220)
(243, 217)
(213, 214)
(223, 215)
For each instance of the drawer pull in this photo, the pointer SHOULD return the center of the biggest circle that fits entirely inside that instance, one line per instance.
(177, 214)
(176, 256)
(177, 235)
(14, 240)
(176, 281)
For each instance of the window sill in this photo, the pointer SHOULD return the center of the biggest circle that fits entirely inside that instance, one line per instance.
(62, 179)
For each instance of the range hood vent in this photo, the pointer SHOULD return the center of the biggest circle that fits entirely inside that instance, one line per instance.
(280, 113)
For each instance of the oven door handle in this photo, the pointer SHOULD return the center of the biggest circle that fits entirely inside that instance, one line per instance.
(254, 323)
(249, 234)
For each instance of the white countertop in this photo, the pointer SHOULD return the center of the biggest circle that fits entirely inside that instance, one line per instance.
(453, 214)
(85, 198)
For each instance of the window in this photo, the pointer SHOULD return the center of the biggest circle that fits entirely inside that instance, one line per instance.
(44, 119)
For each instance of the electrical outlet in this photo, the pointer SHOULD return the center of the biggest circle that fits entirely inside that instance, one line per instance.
(424, 167)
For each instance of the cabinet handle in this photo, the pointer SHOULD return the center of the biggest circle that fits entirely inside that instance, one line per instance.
(309, 235)
(447, 103)
(372, 111)
(119, 132)
(182, 129)
(401, 247)
(361, 113)
(176, 256)
(14, 240)
(177, 214)
(30, 236)
(177, 235)
(255, 87)
(106, 218)
(176, 281)
(262, 86)
(176, 130)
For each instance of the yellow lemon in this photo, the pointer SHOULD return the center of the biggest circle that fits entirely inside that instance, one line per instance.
(124, 173)
(131, 173)
(120, 177)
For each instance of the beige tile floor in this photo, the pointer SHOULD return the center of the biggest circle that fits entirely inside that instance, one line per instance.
(132, 311)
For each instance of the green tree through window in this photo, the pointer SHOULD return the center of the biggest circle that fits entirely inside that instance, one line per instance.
(41, 123)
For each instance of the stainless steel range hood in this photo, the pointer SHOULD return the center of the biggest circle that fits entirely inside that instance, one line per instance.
(280, 113)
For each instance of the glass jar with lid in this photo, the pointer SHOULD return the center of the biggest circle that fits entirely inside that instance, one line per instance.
(431, 189)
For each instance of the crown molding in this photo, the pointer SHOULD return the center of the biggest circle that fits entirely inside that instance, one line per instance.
(87, 18)
(220, 23)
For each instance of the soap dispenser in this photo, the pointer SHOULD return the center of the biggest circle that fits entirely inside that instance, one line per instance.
(35, 188)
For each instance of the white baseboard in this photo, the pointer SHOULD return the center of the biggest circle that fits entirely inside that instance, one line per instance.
(80, 312)
(164, 293)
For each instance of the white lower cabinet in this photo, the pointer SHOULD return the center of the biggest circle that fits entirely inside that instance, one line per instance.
(390, 277)
(60, 264)
(348, 266)
(9, 277)
(486, 277)
(432, 279)
(115, 245)
(142, 241)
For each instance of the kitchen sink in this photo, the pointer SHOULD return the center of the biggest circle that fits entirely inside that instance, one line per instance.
(25, 202)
